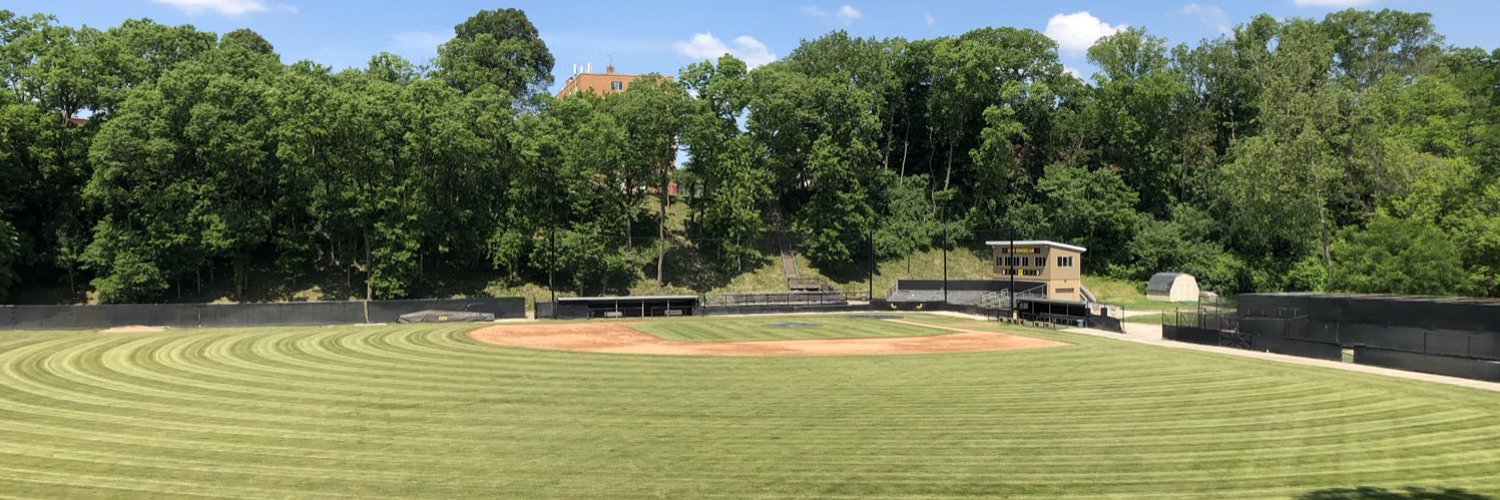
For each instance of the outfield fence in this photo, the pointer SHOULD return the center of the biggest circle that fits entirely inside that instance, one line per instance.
(40, 317)
(1457, 337)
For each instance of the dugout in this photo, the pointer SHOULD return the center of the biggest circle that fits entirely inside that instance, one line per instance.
(1068, 312)
(625, 306)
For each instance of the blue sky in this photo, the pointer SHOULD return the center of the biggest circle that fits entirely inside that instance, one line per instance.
(663, 35)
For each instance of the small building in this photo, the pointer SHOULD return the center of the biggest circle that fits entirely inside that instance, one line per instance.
(1057, 266)
(1172, 287)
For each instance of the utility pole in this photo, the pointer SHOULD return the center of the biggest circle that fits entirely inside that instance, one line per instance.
(552, 265)
(552, 252)
(944, 219)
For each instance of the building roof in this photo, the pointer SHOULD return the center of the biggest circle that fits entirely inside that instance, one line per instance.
(1037, 243)
(1162, 282)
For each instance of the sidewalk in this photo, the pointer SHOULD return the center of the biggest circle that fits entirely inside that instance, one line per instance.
(1151, 334)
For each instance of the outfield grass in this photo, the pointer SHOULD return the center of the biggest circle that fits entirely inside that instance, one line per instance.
(424, 411)
(792, 327)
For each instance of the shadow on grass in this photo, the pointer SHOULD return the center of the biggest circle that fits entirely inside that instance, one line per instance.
(1406, 493)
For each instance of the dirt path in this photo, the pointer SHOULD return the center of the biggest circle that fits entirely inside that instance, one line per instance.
(621, 338)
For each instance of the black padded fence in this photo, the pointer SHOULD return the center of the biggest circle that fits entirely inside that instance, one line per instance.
(1424, 325)
(212, 315)
(1470, 368)
(1190, 334)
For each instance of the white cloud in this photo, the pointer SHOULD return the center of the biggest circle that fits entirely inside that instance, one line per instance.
(1072, 71)
(227, 7)
(418, 45)
(846, 14)
(1078, 31)
(1210, 15)
(927, 16)
(1333, 3)
(707, 46)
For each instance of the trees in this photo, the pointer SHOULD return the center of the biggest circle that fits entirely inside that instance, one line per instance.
(652, 112)
(184, 174)
(733, 187)
(1397, 256)
(1134, 114)
(498, 50)
(818, 140)
(1277, 188)
(1094, 208)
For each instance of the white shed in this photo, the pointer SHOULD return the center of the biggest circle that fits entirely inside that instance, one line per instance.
(1172, 287)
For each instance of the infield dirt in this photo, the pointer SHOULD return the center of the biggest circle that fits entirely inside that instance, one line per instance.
(621, 338)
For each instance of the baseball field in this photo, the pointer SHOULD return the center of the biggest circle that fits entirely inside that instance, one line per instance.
(438, 411)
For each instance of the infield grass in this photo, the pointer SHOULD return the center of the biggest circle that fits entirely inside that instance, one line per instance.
(425, 411)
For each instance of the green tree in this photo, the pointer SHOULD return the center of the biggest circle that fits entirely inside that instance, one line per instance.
(818, 139)
(1134, 111)
(653, 112)
(910, 221)
(185, 174)
(731, 187)
(1278, 186)
(1397, 256)
(499, 49)
(1093, 208)
(249, 40)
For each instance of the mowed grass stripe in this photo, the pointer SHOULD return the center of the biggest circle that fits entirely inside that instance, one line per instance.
(426, 411)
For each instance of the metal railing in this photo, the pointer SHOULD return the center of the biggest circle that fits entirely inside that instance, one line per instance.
(775, 298)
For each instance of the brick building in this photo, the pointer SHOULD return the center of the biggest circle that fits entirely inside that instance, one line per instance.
(599, 83)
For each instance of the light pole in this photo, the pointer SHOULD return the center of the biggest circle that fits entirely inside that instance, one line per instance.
(871, 296)
(1012, 262)
(943, 219)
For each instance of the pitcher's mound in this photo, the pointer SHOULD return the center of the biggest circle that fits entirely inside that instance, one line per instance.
(621, 338)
